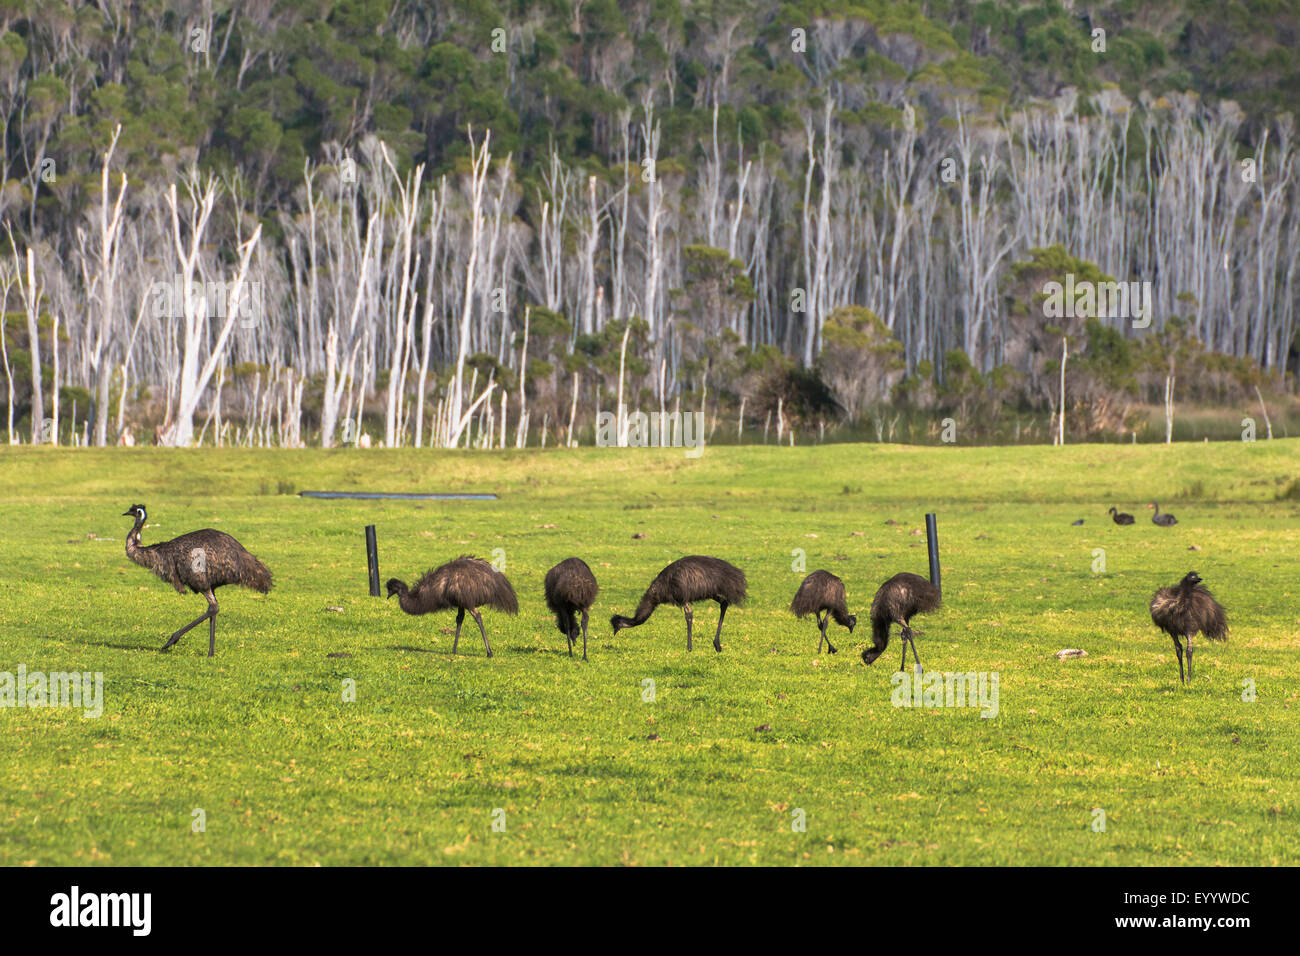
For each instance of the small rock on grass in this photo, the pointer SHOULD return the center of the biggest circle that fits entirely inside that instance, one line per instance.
(1070, 652)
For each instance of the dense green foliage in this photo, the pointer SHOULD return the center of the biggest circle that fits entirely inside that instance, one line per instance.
(259, 88)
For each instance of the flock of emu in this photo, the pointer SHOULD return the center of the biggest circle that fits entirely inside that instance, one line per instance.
(206, 560)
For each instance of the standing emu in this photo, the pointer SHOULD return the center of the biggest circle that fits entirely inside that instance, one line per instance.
(465, 584)
(822, 593)
(1164, 520)
(570, 588)
(898, 599)
(693, 578)
(1184, 610)
(201, 561)
(1119, 517)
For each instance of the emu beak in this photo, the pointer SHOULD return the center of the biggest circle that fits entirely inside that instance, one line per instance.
(128, 514)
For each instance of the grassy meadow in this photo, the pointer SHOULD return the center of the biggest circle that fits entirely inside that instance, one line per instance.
(569, 760)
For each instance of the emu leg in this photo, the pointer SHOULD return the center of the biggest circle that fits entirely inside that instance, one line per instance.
(821, 630)
(177, 636)
(482, 630)
(571, 632)
(902, 665)
(460, 617)
(212, 626)
(584, 635)
(686, 609)
(1179, 648)
(826, 625)
(1189, 658)
(717, 638)
(910, 639)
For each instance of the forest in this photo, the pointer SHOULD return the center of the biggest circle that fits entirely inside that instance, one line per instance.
(469, 224)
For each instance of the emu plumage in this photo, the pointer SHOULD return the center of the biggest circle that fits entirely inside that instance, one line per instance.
(696, 577)
(201, 561)
(466, 584)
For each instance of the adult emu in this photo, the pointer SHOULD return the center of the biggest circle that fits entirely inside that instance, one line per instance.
(693, 578)
(1183, 611)
(896, 602)
(1119, 517)
(570, 588)
(465, 584)
(1164, 520)
(201, 561)
(822, 593)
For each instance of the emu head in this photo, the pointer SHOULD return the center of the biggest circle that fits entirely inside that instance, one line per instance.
(135, 511)
(869, 655)
(853, 622)
(1192, 579)
(395, 587)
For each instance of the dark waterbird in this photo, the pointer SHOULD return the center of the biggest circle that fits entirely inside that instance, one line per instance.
(571, 589)
(898, 599)
(1164, 520)
(1119, 517)
(693, 578)
(201, 561)
(1185, 610)
(822, 593)
(465, 584)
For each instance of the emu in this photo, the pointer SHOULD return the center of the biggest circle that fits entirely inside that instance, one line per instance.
(570, 588)
(201, 561)
(898, 599)
(1119, 517)
(822, 593)
(466, 584)
(1164, 520)
(693, 578)
(1183, 611)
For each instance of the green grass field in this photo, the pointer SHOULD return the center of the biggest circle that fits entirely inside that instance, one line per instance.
(586, 771)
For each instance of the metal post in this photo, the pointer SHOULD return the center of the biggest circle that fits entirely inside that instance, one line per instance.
(932, 543)
(372, 559)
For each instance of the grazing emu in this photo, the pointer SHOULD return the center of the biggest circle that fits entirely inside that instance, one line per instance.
(465, 584)
(570, 588)
(693, 578)
(1184, 610)
(822, 593)
(1119, 517)
(201, 561)
(1164, 520)
(897, 600)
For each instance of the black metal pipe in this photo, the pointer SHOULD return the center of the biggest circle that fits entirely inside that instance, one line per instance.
(372, 560)
(932, 543)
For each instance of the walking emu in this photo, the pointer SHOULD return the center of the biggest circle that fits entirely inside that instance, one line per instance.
(1164, 520)
(898, 599)
(1119, 517)
(465, 584)
(693, 578)
(201, 561)
(1186, 609)
(570, 588)
(822, 593)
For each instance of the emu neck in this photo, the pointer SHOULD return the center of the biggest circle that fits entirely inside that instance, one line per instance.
(408, 601)
(140, 555)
